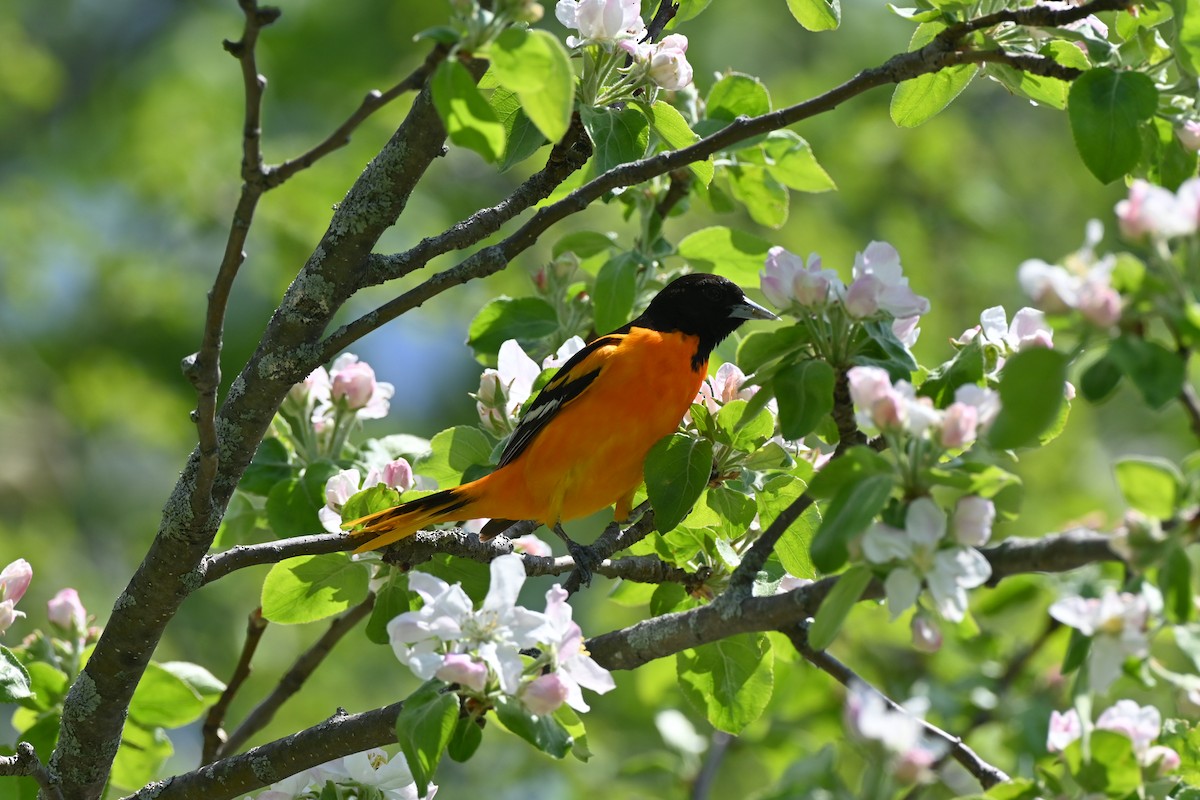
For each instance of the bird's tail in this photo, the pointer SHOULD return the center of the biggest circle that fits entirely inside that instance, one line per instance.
(393, 524)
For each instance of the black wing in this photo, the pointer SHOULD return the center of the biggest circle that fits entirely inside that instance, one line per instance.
(571, 380)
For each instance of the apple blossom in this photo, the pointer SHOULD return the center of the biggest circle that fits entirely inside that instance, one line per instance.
(926, 635)
(532, 545)
(726, 385)
(1155, 212)
(575, 666)
(545, 693)
(915, 556)
(8, 615)
(391, 777)
(668, 64)
(1119, 624)
(960, 425)
(504, 390)
(14, 580)
(601, 22)
(786, 280)
(911, 749)
(1140, 724)
(340, 487)
(879, 285)
(65, 611)
(973, 518)
(461, 668)
(889, 408)
(1100, 303)
(1050, 286)
(353, 383)
(906, 330)
(1189, 134)
(1064, 729)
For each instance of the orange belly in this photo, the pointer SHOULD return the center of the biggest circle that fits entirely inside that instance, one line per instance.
(592, 454)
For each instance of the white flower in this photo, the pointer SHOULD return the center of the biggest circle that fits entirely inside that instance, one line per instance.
(912, 750)
(575, 666)
(786, 280)
(1118, 623)
(1156, 212)
(391, 776)
(1141, 724)
(886, 407)
(504, 390)
(1028, 329)
(1050, 286)
(917, 556)
(667, 60)
(448, 623)
(726, 385)
(601, 21)
(906, 330)
(973, 518)
(338, 489)
(1064, 729)
(879, 285)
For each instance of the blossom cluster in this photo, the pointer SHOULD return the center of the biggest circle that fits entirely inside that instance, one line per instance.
(878, 286)
(922, 553)
(1152, 212)
(896, 408)
(345, 484)
(1083, 282)
(386, 778)
(1140, 724)
(618, 24)
(481, 649)
(1119, 624)
(322, 409)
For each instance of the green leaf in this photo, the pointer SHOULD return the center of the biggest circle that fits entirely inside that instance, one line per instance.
(677, 471)
(850, 512)
(917, 100)
(202, 682)
(760, 347)
(453, 452)
(269, 467)
(854, 465)
(837, 604)
(1175, 581)
(1078, 647)
(576, 730)
(816, 15)
(48, 685)
(465, 740)
(1031, 393)
(237, 524)
(1105, 109)
(1100, 379)
(470, 122)
(618, 136)
(1187, 35)
(584, 244)
(790, 161)
(378, 498)
(141, 756)
(1157, 372)
(424, 727)
(392, 599)
(670, 126)
(522, 138)
(1038, 88)
(1113, 769)
(732, 254)
(535, 65)
(308, 588)
(1153, 486)
(163, 700)
(543, 732)
(736, 95)
(742, 428)
(14, 678)
(474, 576)
(967, 367)
(526, 319)
(730, 680)
(793, 548)
(614, 292)
(804, 392)
(765, 198)
(290, 510)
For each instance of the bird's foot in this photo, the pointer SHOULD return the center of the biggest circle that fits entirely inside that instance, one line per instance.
(585, 560)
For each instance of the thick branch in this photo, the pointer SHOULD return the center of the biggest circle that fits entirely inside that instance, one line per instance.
(987, 775)
(666, 635)
(295, 677)
(341, 735)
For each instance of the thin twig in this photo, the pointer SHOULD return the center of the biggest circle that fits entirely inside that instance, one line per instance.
(340, 137)
(1037, 16)
(214, 735)
(295, 677)
(987, 775)
(756, 557)
(341, 735)
(717, 748)
(666, 12)
(26, 764)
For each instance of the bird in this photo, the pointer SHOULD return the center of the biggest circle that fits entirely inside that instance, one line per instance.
(581, 445)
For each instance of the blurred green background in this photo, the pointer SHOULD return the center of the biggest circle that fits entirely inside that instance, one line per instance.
(119, 151)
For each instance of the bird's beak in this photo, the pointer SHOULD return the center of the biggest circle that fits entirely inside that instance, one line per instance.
(748, 309)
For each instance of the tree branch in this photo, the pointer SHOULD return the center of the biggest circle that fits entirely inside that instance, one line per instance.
(214, 736)
(987, 775)
(341, 735)
(666, 12)
(295, 677)
(26, 764)
(666, 635)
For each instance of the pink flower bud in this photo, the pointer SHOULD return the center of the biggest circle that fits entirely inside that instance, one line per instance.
(531, 545)
(1100, 303)
(926, 636)
(462, 669)
(1064, 729)
(960, 424)
(973, 518)
(1189, 135)
(14, 580)
(1161, 760)
(8, 615)
(545, 694)
(914, 766)
(398, 475)
(669, 67)
(354, 384)
(66, 612)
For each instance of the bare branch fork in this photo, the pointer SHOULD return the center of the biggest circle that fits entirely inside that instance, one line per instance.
(26, 764)
(214, 736)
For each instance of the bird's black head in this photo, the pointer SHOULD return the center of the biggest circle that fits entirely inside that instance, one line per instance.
(707, 306)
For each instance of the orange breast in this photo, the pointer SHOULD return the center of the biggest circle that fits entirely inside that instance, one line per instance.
(592, 452)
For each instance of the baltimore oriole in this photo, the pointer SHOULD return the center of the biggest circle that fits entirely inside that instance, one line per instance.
(581, 445)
